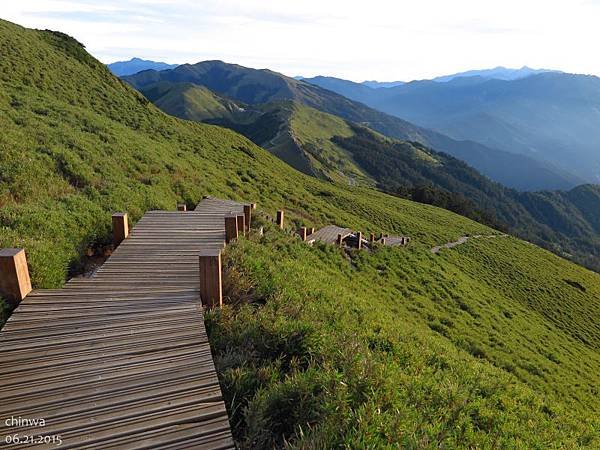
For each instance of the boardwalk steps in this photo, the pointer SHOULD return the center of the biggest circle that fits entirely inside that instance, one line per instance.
(122, 359)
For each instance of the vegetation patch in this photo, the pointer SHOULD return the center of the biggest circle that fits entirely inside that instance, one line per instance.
(331, 356)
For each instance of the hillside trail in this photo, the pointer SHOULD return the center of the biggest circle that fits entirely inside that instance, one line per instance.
(462, 240)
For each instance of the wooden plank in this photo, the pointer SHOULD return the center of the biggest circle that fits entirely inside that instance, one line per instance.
(121, 359)
(328, 234)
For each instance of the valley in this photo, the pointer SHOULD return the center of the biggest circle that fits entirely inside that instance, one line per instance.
(549, 116)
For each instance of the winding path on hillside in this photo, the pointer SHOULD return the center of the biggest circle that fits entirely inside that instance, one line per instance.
(463, 239)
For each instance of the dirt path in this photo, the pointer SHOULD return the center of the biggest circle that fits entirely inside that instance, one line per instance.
(462, 240)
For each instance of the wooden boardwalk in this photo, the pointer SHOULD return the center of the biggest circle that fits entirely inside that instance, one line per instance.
(394, 241)
(328, 234)
(121, 359)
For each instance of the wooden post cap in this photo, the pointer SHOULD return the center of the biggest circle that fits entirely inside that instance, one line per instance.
(181, 207)
(253, 205)
(280, 218)
(211, 289)
(247, 216)
(231, 228)
(359, 240)
(15, 283)
(120, 227)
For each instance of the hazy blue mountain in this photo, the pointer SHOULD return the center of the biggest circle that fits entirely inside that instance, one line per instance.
(497, 73)
(254, 87)
(135, 65)
(381, 84)
(355, 91)
(553, 117)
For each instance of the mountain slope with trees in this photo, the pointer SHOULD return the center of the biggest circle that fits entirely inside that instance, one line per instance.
(331, 148)
(551, 117)
(254, 87)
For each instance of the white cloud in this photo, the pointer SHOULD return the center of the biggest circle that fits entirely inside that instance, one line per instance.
(380, 39)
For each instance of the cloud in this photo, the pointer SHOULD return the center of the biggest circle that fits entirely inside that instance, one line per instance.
(380, 39)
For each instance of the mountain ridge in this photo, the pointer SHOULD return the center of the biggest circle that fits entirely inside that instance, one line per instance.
(327, 147)
(252, 86)
(551, 117)
(135, 65)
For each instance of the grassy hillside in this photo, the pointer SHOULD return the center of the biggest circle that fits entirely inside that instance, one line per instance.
(301, 136)
(192, 102)
(256, 87)
(492, 344)
(402, 348)
(331, 148)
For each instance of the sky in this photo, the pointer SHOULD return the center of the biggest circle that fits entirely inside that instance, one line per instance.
(383, 40)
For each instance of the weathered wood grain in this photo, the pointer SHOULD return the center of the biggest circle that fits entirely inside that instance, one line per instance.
(122, 359)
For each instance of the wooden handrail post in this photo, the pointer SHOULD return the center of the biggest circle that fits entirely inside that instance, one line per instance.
(311, 230)
(302, 233)
(181, 207)
(241, 226)
(280, 218)
(253, 205)
(211, 290)
(15, 283)
(339, 240)
(231, 229)
(247, 216)
(372, 238)
(359, 240)
(120, 227)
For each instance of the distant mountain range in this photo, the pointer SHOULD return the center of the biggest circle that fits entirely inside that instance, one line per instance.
(497, 73)
(327, 136)
(252, 87)
(381, 84)
(135, 65)
(551, 117)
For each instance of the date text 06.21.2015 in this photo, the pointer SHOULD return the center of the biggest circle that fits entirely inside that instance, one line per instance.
(32, 439)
